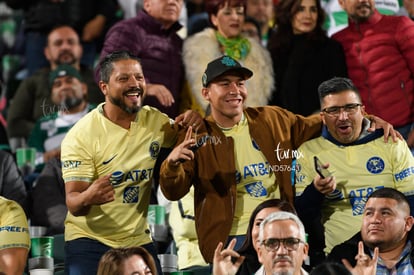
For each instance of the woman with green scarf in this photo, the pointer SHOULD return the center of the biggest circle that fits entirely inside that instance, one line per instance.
(225, 37)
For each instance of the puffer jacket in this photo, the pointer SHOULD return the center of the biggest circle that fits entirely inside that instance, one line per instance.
(380, 60)
(158, 49)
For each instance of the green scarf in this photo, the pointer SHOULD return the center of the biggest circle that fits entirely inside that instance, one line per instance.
(237, 48)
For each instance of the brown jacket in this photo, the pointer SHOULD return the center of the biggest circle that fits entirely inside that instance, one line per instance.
(213, 171)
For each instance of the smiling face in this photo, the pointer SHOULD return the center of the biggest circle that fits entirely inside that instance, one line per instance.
(226, 95)
(229, 20)
(345, 127)
(305, 19)
(126, 86)
(385, 223)
(358, 10)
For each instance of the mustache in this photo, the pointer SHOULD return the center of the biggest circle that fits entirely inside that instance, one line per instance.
(282, 258)
(66, 52)
(364, 5)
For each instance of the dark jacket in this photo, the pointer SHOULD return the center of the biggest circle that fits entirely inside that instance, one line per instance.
(12, 185)
(212, 172)
(300, 68)
(48, 199)
(158, 49)
(349, 249)
(32, 101)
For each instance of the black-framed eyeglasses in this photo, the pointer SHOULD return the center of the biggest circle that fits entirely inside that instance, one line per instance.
(350, 109)
(273, 244)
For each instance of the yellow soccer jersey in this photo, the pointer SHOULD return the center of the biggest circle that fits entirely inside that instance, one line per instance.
(14, 230)
(95, 147)
(255, 181)
(359, 170)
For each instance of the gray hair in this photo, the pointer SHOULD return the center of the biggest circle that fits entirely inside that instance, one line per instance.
(282, 216)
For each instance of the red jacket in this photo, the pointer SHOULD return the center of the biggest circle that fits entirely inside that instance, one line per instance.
(380, 60)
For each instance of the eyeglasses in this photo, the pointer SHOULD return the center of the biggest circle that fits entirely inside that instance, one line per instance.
(273, 244)
(350, 109)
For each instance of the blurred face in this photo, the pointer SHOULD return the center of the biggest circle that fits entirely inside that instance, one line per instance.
(229, 20)
(135, 265)
(68, 92)
(282, 260)
(126, 86)
(166, 12)
(305, 19)
(385, 223)
(256, 224)
(346, 125)
(261, 10)
(226, 95)
(63, 47)
(250, 30)
(358, 10)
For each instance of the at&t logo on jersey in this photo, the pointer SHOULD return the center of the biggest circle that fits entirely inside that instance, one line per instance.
(375, 165)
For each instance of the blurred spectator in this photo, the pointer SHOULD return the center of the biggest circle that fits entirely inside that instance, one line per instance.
(12, 185)
(32, 99)
(181, 220)
(69, 90)
(87, 18)
(303, 56)
(48, 207)
(226, 38)
(152, 37)
(14, 244)
(251, 28)
(263, 12)
(132, 260)
(380, 59)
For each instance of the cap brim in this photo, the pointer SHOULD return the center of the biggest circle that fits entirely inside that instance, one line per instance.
(242, 71)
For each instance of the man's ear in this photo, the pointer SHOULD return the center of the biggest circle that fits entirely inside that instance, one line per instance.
(341, 3)
(104, 87)
(322, 117)
(409, 223)
(205, 92)
(84, 89)
(305, 251)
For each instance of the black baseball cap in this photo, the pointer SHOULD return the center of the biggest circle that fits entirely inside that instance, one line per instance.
(222, 65)
(63, 70)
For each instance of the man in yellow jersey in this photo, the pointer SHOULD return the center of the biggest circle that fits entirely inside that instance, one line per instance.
(359, 163)
(108, 160)
(14, 238)
(245, 159)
